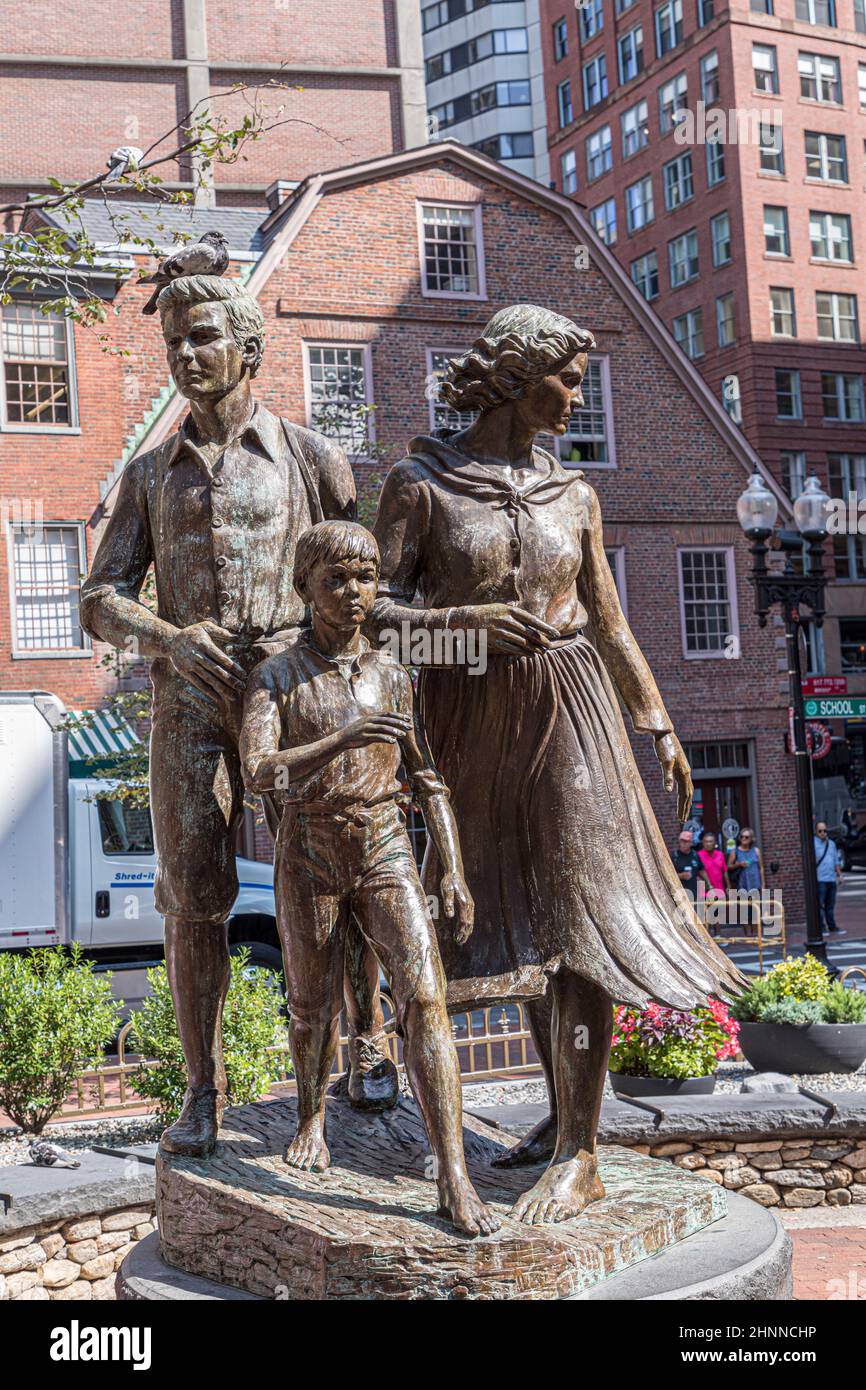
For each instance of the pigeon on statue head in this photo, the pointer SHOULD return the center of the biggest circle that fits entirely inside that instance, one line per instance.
(207, 256)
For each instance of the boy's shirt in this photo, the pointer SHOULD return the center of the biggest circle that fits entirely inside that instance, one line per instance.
(300, 695)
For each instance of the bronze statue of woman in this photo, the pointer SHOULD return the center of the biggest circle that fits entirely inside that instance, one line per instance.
(492, 534)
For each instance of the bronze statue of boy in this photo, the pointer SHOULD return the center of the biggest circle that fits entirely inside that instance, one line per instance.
(326, 724)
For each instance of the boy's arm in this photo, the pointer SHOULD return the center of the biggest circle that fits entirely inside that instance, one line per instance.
(431, 794)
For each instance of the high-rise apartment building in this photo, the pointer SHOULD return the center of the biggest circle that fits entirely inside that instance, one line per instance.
(484, 70)
(719, 150)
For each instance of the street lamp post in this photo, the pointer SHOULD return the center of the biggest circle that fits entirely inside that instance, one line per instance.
(757, 510)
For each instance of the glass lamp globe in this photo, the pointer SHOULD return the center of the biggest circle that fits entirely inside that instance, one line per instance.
(810, 510)
(757, 509)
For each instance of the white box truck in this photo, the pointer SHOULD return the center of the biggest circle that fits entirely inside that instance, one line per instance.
(77, 868)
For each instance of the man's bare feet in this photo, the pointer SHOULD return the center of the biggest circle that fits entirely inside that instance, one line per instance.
(194, 1132)
(535, 1147)
(562, 1191)
(308, 1149)
(460, 1204)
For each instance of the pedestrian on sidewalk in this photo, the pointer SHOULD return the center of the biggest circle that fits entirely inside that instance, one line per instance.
(746, 869)
(829, 877)
(687, 864)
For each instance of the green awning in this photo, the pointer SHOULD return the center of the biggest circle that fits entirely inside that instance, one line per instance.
(94, 747)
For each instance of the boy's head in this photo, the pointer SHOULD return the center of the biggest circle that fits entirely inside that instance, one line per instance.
(337, 571)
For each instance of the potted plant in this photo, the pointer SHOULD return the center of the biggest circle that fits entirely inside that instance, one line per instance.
(796, 1020)
(660, 1051)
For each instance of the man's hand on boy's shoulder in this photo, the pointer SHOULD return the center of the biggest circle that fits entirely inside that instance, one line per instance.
(457, 901)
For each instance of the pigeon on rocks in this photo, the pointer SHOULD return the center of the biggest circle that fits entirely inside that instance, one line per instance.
(209, 256)
(125, 159)
(46, 1155)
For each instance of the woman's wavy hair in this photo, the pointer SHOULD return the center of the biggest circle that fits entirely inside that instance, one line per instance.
(518, 347)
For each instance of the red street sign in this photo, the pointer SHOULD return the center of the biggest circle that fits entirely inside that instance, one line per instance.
(825, 685)
(819, 739)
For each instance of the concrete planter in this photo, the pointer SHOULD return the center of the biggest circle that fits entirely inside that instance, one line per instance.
(661, 1085)
(813, 1049)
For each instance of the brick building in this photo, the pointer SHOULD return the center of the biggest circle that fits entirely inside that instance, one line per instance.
(750, 246)
(368, 277)
(79, 79)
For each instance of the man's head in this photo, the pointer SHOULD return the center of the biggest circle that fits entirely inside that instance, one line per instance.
(686, 840)
(821, 830)
(337, 572)
(708, 842)
(214, 334)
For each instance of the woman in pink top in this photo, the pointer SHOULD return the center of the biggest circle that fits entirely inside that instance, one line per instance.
(714, 866)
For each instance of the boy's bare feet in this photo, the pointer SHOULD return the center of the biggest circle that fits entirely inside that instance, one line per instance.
(308, 1149)
(562, 1191)
(460, 1204)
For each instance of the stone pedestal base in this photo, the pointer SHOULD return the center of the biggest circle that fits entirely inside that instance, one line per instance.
(367, 1228)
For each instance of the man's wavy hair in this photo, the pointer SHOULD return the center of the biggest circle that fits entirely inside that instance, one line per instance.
(244, 315)
(518, 347)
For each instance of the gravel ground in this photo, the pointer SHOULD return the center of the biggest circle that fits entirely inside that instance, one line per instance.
(729, 1079)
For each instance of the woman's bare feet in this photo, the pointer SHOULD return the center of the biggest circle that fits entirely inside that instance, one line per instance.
(536, 1147)
(562, 1191)
(308, 1149)
(460, 1204)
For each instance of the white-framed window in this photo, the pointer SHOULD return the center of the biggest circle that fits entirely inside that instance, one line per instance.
(706, 12)
(842, 397)
(338, 381)
(668, 26)
(599, 153)
(639, 204)
(861, 85)
(710, 83)
(846, 473)
(683, 262)
(603, 219)
(589, 439)
(568, 167)
(442, 415)
(673, 98)
(777, 241)
(783, 314)
(731, 399)
(860, 16)
(725, 327)
(594, 82)
(591, 18)
(37, 381)
(789, 396)
(820, 78)
(689, 332)
(771, 148)
(793, 463)
(715, 162)
(452, 251)
(635, 128)
(679, 182)
(46, 563)
(629, 52)
(560, 40)
(830, 236)
(708, 600)
(820, 12)
(826, 157)
(837, 316)
(645, 274)
(765, 67)
(720, 236)
(615, 555)
(564, 107)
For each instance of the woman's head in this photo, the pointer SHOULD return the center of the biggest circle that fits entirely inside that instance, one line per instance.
(525, 354)
(746, 837)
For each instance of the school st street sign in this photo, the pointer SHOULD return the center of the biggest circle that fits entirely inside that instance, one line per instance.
(836, 707)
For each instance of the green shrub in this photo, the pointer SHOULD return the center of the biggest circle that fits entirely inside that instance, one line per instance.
(800, 977)
(56, 1019)
(749, 1006)
(843, 1005)
(252, 1024)
(799, 1012)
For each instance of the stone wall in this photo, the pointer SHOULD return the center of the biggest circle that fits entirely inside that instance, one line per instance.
(809, 1171)
(74, 1259)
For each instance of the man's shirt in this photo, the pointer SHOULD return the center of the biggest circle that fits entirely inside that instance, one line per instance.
(688, 860)
(221, 535)
(300, 695)
(826, 862)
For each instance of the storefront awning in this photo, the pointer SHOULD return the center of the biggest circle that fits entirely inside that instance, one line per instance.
(95, 745)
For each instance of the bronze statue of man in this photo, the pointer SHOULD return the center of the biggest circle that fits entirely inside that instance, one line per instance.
(218, 510)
